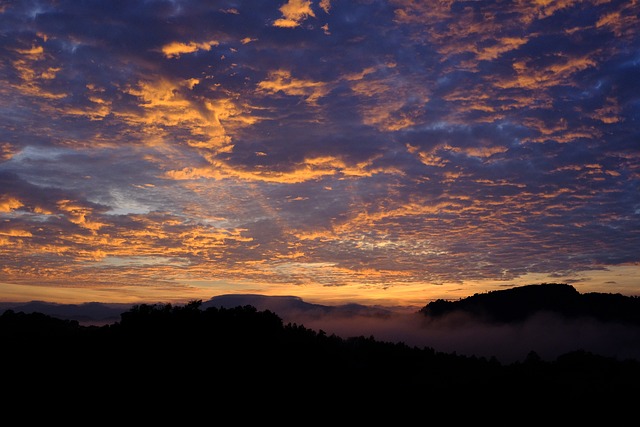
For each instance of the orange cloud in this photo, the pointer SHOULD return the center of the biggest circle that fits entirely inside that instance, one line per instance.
(42, 211)
(9, 203)
(200, 240)
(170, 105)
(540, 9)
(431, 157)
(78, 215)
(484, 152)
(622, 22)
(282, 81)
(293, 13)
(99, 108)
(325, 5)
(36, 51)
(311, 169)
(558, 131)
(463, 34)
(175, 49)
(502, 45)
(33, 73)
(16, 233)
(608, 113)
(319, 235)
(389, 104)
(532, 77)
(7, 151)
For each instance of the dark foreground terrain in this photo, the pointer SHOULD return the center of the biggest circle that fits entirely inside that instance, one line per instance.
(185, 355)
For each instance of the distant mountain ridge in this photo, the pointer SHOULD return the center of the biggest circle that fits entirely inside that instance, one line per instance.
(503, 306)
(262, 302)
(282, 305)
(519, 303)
(86, 313)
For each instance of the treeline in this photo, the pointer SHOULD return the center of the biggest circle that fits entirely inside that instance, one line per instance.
(170, 350)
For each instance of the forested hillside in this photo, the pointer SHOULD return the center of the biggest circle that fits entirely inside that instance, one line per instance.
(156, 350)
(519, 303)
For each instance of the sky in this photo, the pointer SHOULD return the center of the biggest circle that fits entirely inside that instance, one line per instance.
(378, 152)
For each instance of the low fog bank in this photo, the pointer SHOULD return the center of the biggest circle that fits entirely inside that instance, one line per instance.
(548, 334)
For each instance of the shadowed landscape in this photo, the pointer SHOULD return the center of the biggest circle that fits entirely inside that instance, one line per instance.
(551, 319)
(245, 350)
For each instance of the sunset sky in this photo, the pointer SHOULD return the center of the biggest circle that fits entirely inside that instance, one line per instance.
(379, 152)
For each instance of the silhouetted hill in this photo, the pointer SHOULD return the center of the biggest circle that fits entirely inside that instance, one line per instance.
(171, 355)
(520, 303)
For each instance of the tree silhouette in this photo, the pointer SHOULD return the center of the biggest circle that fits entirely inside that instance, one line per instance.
(188, 353)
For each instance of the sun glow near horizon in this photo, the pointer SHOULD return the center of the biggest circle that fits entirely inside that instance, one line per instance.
(405, 297)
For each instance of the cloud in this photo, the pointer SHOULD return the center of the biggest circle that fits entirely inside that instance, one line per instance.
(167, 108)
(175, 49)
(293, 13)
(77, 214)
(8, 203)
(282, 81)
(36, 74)
(325, 5)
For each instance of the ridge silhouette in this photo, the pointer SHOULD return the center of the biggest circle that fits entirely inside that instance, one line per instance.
(519, 303)
(162, 350)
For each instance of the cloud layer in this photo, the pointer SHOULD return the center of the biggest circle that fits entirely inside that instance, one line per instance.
(353, 147)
